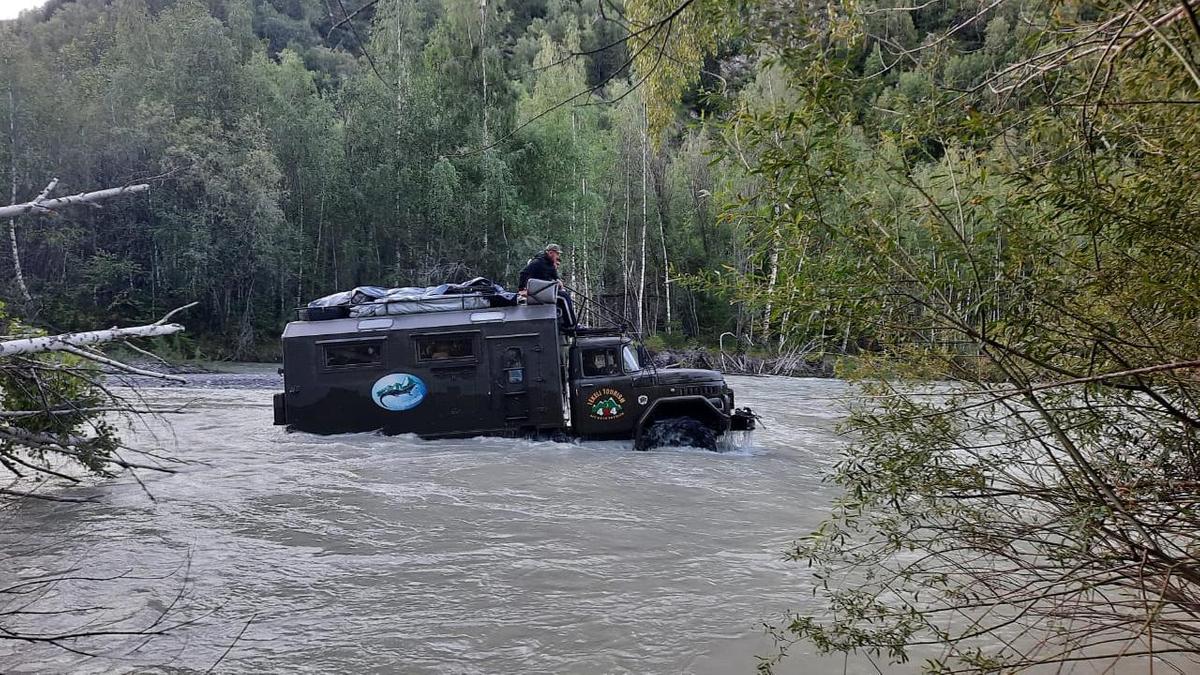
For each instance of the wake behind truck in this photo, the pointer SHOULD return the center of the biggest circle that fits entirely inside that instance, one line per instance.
(462, 360)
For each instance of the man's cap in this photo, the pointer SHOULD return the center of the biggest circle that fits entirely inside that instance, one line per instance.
(553, 247)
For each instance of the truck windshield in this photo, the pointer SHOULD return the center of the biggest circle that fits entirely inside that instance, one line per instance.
(631, 359)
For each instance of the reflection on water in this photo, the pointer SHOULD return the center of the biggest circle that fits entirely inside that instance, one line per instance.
(363, 553)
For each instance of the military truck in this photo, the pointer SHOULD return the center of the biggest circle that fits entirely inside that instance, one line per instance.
(482, 362)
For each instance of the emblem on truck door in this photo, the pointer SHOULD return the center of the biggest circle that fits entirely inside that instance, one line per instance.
(605, 404)
(398, 391)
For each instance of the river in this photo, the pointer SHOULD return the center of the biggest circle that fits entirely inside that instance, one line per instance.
(286, 552)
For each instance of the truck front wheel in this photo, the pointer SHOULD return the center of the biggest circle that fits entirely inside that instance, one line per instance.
(679, 431)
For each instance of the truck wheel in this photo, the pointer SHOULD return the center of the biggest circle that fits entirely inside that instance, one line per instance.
(280, 409)
(679, 431)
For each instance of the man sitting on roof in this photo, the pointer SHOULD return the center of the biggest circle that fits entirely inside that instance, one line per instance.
(544, 266)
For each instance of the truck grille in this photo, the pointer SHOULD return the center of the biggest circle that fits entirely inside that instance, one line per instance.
(702, 390)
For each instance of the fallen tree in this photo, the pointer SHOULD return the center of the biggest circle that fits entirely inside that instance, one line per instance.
(57, 427)
(56, 405)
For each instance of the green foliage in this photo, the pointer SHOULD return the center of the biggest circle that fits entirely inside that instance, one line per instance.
(911, 195)
(291, 158)
(51, 396)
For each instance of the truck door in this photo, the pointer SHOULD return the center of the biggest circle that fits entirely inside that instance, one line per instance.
(517, 380)
(603, 401)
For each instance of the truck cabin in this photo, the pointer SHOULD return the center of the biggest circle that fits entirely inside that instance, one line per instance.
(605, 357)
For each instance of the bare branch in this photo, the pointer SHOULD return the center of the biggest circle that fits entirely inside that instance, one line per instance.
(81, 198)
(66, 340)
(117, 365)
(49, 498)
(346, 19)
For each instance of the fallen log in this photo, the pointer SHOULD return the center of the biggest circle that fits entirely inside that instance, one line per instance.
(59, 202)
(67, 341)
(72, 341)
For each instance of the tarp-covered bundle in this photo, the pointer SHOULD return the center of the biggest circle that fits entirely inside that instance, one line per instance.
(364, 301)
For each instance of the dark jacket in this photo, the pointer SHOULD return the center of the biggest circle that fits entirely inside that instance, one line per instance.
(539, 267)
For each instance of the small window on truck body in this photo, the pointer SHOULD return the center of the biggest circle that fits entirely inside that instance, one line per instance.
(445, 347)
(514, 366)
(352, 354)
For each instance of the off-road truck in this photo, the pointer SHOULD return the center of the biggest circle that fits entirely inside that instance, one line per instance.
(476, 363)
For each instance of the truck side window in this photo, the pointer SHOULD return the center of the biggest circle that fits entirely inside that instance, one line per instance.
(444, 347)
(601, 362)
(351, 354)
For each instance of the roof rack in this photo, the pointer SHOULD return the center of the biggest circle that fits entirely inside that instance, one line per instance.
(596, 331)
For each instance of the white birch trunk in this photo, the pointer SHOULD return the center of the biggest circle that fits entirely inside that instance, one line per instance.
(773, 278)
(662, 236)
(117, 365)
(642, 271)
(483, 68)
(626, 272)
(81, 198)
(68, 341)
(586, 263)
(12, 222)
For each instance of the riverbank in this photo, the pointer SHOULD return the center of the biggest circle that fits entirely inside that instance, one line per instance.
(231, 373)
(786, 365)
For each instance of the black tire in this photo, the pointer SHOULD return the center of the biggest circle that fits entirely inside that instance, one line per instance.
(679, 432)
(280, 410)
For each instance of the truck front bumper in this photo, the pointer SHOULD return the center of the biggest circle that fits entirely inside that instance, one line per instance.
(742, 419)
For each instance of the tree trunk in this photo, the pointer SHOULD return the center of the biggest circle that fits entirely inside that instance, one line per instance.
(81, 198)
(660, 198)
(51, 343)
(625, 271)
(773, 274)
(483, 67)
(12, 222)
(642, 245)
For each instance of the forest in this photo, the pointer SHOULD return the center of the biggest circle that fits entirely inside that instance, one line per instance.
(996, 194)
(292, 154)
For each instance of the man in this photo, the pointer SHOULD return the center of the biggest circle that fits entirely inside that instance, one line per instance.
(544, 266)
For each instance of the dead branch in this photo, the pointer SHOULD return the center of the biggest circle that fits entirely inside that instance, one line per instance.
(81, 198)
(50, 498)
(65, 341)
(117, 365)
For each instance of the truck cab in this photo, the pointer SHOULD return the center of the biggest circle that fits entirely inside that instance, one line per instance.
(614, 395)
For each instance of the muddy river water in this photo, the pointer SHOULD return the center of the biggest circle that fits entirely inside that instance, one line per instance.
(287, 552)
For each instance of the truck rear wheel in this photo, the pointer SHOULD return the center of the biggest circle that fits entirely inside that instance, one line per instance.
(679, 431)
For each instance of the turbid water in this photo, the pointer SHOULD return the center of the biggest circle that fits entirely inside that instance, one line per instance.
(287, 552)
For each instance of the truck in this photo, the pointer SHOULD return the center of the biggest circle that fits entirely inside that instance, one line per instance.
(479, 363)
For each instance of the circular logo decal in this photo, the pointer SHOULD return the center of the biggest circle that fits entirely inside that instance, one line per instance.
(398, 391)
(605, 404)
